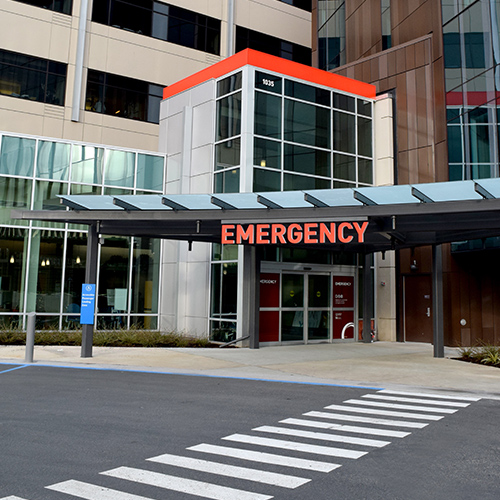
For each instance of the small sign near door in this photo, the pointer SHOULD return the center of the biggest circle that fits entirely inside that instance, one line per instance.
(343, 291)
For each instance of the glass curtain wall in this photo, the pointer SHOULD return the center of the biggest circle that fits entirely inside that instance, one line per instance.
(42, 265)
(308, 137)
(471, 36)
(331, 34)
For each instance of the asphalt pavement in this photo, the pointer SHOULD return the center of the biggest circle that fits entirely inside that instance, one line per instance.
(380, 364)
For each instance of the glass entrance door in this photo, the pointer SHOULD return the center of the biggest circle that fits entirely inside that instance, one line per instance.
(292, 307)
(318, 306)
(305, 306)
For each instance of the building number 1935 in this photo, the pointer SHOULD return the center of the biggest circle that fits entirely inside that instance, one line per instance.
(269, 83)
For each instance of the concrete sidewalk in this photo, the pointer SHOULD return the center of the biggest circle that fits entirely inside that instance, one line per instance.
(405, 366)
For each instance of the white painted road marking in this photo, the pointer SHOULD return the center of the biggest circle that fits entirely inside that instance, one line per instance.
(260, 476)
(265, 458)
(291, 445)
(414, 400)
(400, 407)
(92, 492)
(322, 436)
(345, 428)
(402, 414)
(366, 420)
(182, 485)
(429, 395)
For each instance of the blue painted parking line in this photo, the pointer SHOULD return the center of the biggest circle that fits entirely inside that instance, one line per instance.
(15, 368)
(201, 375)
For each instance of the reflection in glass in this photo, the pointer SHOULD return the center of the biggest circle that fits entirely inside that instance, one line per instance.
(307, 124)
(229, 116)
(301, 182)
(479, 143)
(12, 269)
(222, 331)
(227, 182)
(224, 290)
(344, 127)
(229, 84)
(344, 167)
(266, 180)
(307, 160)
(267, 153)
(227, 154)
(45, 271)
(46, 199)
(365, 171)
(267, 115)
(319, 290)
(52, 160)
(76, 255)
(292, 290)
(17, 156)
(364, 136)
(307, 93)
(318, 325)
(87, 164)
(145, 275)
(119, 168)
(292, 326)
(150, 172)
(14, 193)
(114, 280)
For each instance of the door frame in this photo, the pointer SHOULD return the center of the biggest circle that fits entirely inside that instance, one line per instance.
(305, 270)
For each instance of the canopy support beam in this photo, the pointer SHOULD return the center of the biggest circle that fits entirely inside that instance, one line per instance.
(250, 290)
(367, 297)
(437, 301)
(90, 277)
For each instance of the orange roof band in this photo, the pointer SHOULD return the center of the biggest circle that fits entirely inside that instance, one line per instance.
(277, 65)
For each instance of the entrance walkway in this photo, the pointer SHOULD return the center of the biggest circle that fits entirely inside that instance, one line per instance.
(381, 364)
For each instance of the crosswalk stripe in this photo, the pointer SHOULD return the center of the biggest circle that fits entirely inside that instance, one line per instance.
(414, 400)
(400, 407)
(429, 395)
(12, 497)
(322, 436)
(265, 458)
(291, 445)
(182, 485)
(346, 428)
(260, 476)
(403, 414)
(92, 491)
(366, 420)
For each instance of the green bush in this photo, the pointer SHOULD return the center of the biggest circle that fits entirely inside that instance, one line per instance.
(133, 337)
(484, 353)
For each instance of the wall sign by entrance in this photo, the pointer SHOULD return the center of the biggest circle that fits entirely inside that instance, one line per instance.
(293, 234)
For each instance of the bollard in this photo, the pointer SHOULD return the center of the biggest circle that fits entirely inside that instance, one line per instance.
(30, 337)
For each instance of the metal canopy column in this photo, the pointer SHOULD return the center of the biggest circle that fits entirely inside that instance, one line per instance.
(250, 290)
(437, 301)
(367, 297)
(90, 277)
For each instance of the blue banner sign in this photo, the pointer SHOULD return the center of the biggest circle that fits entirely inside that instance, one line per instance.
(88, 304)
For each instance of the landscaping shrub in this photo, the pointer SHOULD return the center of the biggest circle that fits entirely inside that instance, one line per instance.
(486, 354)
(133, 337)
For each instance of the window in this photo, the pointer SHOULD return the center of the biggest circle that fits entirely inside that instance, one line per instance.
(32, 78)
(63, 6)
(331, 34)
(250, 39)
(160, 20)
(385, 6)
(121, 96)
(300, 4)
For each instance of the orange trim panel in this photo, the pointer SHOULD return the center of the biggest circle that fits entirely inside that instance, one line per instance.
(276, 64)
